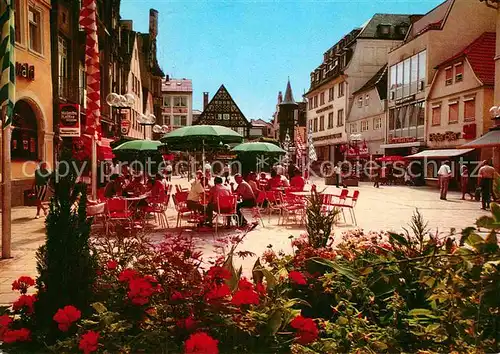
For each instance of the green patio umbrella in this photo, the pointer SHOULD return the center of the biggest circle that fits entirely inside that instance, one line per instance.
(201, 135)
(138, 146)
(259, 147)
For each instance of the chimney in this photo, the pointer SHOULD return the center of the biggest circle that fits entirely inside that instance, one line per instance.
(167, 78)
(205, 100)
(280, 97)
(153, 23)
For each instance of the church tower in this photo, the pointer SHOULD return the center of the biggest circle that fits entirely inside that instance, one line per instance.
(287, 115)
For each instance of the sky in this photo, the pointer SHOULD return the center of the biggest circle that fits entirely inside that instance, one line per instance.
(252, 47)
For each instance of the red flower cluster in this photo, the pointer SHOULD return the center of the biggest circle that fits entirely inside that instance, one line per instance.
(217, 292)
(307, 331)
(66, 316)
(187, 323)
(127, 275)
(22, 284)
(112, 264)
(201, 343)
(17, 335)
(176, 295)
(89, 342)
(269, 256)
(297, 278)
(5, 322)
(218, 273)
(246, 295)
(25, 302)
(141, 288)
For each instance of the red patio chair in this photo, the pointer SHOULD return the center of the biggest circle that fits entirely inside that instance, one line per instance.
(341, 202)
(117, 212)
(274, 203)
(226, 207)
(180, 203)
(350, 203)
(158, 207)
(256, 211)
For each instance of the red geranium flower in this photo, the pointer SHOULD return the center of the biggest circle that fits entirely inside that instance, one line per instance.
(17, 335)
(25, 302)
(307, 331)
(188, 323)
(245, 297)
(5, 322)
(127, 275)
(89, 342)
(244, 284)
(140, 290)
(261, 289)
(218, 273)
(217, 292)
(201, 343)
(297, 278)
(176, 295)
(112, 264)
(22, 284)
(66, 316)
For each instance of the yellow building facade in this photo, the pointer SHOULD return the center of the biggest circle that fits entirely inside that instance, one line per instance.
(32, 128)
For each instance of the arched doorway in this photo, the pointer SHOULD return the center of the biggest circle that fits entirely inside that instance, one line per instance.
(24, 145)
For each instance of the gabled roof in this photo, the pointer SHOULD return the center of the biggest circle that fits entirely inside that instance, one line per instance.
(481, 57)
(177, 85)
(379, 80)
(433, 20)
(222, 110)
(259, 123)
(371, 28)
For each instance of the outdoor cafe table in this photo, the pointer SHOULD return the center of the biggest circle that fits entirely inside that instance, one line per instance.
(301, 193)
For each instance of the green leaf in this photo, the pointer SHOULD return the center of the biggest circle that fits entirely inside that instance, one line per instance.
(270, 279)
(491, 239)
(399, 239)
(474, 240)
(495, 210)
(345, 271)
(486, 222)
(275, 321)
(257, 274)
(420, 312)
(342, 321)
(229, 265)
(99, 307)
(366, 271)
(432, 327)
(379, 346)
(465, 234)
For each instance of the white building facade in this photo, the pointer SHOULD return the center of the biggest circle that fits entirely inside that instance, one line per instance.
(177, 110)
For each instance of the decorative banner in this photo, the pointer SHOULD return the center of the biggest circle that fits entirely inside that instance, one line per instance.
(125, 126)
(70, 120)
(7, 62)
(89, 24)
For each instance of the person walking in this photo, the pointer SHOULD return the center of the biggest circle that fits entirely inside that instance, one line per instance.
(486, 175)
(444, 174)
(40, 186)
(247, 196)
(376, 173)
(168, 172)
(337, 172)
(464, 180)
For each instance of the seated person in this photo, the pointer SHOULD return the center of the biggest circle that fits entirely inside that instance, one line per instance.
(218, 190)
(136, 187)
(252, 181)
(158, 190)
(113, 187)
(275, 181)
(297, 183)
(263, 181)
(193, 199)
(245, 193)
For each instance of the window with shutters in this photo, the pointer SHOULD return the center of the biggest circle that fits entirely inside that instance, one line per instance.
(340, 117)
(321, 123)
(341, 89)
(364, 125)
(469, 110)
(453, 112)
(459, 72)
(448, 76)
(436, 115)
(322, 99)
(330, 93)
(360, 102)
(353, 128)
(315, 126)
(35, 30)
(377, 123)
(18, 16)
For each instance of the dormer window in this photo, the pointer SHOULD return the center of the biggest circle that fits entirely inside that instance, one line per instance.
(384, 30)
(402, 29)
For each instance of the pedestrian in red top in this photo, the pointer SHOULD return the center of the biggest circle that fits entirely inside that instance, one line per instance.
(297, 183)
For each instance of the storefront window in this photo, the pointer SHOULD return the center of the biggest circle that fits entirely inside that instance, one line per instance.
(24, 142)
(407, 121)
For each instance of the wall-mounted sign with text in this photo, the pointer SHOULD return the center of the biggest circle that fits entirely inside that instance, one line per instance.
(25, 70)
(70, 120)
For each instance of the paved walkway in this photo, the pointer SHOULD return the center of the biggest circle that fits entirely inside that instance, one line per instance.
(386, 208)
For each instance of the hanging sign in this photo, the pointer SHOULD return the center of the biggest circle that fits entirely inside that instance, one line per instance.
(70, 120)
(125, 126)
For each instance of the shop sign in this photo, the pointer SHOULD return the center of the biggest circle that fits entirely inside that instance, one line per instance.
(25, 70)
(225, 156)
(448, 136)
(125, 126)
(405, 100)
(69, 126)
(402, 140)
(328, 137)
(469, 131)
(361, 151)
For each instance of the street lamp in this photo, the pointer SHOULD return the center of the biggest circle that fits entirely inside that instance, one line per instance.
(161, 129)
(146, 120)
(116, 101)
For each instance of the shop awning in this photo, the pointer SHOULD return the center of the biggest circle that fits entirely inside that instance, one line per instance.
(439, 154)
(104, 151)
(490, 139)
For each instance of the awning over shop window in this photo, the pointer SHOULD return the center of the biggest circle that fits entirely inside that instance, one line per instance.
(490, 139)
(104, 151)
(439, 154)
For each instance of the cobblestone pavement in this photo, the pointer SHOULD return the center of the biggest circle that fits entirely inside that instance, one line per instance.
(385, 208)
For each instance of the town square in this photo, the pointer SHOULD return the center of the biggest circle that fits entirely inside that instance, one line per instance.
(255, 177)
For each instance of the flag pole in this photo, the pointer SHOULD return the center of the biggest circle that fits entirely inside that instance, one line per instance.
(7, 99)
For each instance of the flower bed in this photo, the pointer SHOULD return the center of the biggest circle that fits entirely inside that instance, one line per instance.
(373, 293)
